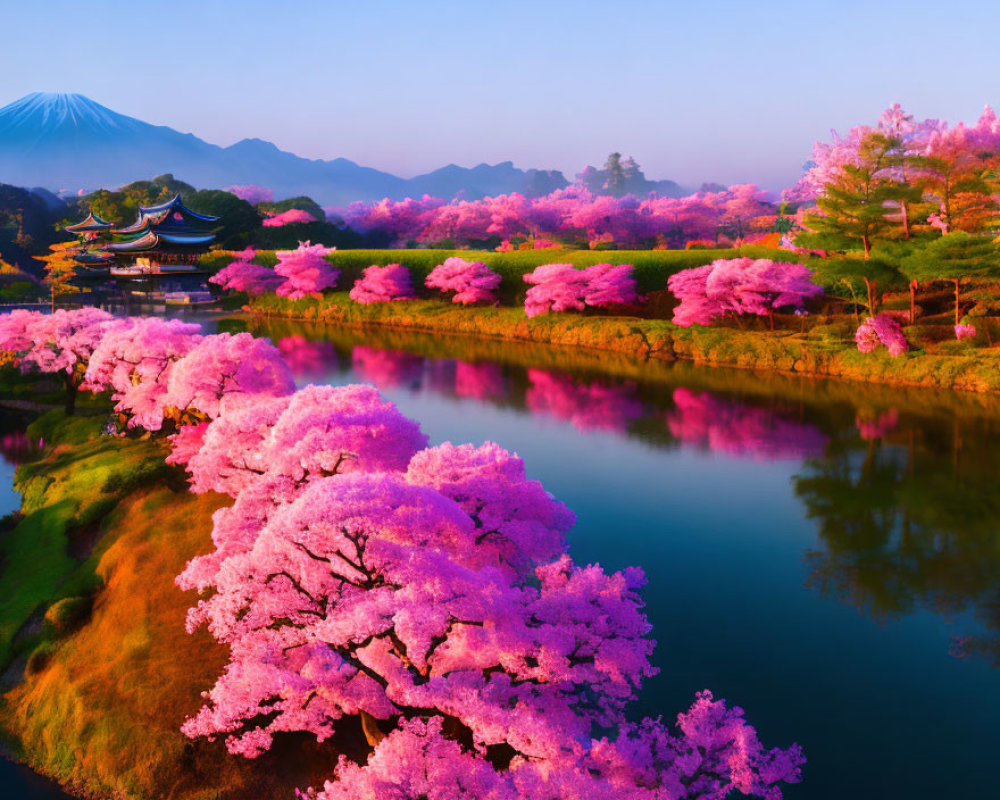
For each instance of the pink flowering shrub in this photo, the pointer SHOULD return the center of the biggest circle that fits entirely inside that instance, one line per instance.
(291, 217)
(879, 427)
(388, 369)
(305, 270)
(472, 281)
(587, 406)
(383, 285)
(738, 286)
(881, 330)
(963, 331)
(242, 276)
(563, 287)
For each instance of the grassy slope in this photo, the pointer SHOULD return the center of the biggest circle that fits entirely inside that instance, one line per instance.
(101, 711)
(825, 350)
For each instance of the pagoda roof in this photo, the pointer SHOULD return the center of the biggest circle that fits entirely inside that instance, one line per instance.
(91, 223)
(90, 257)
(170, 217)
(150, 240)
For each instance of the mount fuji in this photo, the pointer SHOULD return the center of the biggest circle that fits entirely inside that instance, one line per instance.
(65, 142)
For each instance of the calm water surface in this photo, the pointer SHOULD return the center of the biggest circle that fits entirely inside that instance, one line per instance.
(824, 555)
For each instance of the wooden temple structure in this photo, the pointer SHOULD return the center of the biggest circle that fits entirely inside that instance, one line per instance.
(155, 259)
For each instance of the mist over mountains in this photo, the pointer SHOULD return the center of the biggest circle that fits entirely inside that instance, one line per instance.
(67, 142)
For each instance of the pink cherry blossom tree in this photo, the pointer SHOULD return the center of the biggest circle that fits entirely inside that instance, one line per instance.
(306, 270)
(243, 276)
(555, 287)
(294, 216)
(884, 330)
(383, 285)
(609, 284)
(740, 286)
(61, 342)
(471, 281)
(134, 359)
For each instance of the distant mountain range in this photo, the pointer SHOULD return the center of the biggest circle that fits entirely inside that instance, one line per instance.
(66, 142)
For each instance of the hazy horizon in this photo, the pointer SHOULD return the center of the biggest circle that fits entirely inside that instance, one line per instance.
(410, 88)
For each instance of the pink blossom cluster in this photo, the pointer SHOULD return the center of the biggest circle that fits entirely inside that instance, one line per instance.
(291, 217)
(737, 429)
(878, 427)
(738, 286)
(157, 370)
(252, 194)
(382, 285)
(587, 406)
(471, 281)
(305, 270)
(963, 331)
(243, 276)
(563, 287)
(572, 213)
(881, 329)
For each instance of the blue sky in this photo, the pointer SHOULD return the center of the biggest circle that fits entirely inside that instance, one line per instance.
(712, 90)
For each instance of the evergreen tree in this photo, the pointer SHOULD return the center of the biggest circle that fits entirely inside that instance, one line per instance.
(614, 175)
(859, 200)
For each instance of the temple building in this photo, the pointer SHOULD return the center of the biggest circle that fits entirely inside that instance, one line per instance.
(154, 258)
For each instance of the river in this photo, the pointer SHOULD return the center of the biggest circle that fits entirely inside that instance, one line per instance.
(825, 555)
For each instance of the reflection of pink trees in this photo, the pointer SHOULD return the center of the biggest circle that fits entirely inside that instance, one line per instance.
(472, 281)
(307, 358)
(17, 448)
(306, 270)
(483, 381)
(387, 368)
(291, 217)
(252, 194)
(383, 285)
(588, 407)
(741, 430)
(879, 427)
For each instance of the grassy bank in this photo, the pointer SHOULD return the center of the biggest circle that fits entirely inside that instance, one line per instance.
(825, 350)
(99, 672)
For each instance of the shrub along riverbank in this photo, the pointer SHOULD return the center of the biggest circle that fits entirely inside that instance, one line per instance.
(826, 349)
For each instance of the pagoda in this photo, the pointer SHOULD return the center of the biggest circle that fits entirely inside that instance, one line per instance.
(156, 256)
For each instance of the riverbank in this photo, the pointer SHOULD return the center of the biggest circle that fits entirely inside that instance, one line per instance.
(97, 669)
(823, 351)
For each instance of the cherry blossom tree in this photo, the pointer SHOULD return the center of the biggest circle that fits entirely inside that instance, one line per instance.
(243, 276)
(383, 285)
(556, 287)
(740, 286)
(61, 342)
(963, 331)
(306, 270)
(292, 216)
(593, 406)
(881, 330)
(134, 359)
(609, 284)
(472, 281)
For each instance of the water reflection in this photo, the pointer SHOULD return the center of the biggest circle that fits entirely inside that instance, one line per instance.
(900, 484)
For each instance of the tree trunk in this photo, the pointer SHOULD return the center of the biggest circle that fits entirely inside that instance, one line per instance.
(71, 389)
(957, 297)
(913, 301)
(770, 316)
(870, 286)
(868, 246)
(906, 221)
(369, 725)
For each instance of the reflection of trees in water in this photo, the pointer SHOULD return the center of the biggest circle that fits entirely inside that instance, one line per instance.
(740, 429)
(910, 522)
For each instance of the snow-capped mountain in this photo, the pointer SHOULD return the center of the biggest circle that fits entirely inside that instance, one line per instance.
(68, 141)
